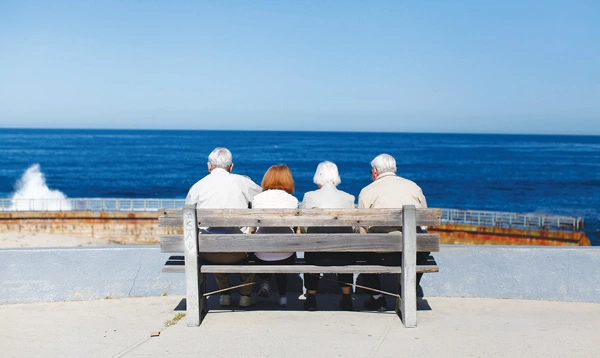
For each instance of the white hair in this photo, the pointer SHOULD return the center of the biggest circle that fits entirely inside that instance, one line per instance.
(327, 172)
(220, 158)
(384, 163)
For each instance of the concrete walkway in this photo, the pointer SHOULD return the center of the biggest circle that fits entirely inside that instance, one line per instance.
(447, 327)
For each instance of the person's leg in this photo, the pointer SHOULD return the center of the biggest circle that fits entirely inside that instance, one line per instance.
(223, 282)
(422, 258)
(223, 278)
(371, 280)
(281, 280)
(376, 301)
(246, 279)
(311, 280)
(345, 280)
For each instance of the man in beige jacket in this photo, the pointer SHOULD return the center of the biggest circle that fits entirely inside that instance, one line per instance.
(387, 191)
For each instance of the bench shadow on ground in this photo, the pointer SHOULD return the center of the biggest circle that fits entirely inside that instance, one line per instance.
(328, 296)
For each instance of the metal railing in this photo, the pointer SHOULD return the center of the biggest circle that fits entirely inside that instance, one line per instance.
(512, 220)
(449, 216)
(89, 204)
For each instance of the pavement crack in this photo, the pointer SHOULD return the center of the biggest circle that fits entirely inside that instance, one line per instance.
(376, 348)
(136, 275)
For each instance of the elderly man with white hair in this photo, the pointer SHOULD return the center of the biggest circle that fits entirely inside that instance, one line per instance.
(387, 191)
(328, 196)
(221, 189)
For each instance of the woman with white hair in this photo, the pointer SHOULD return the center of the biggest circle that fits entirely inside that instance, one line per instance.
(328, 196)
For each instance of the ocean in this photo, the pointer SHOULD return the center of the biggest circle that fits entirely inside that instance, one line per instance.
(547, 174)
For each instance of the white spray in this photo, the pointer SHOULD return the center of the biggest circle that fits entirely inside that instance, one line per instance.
(32, 193)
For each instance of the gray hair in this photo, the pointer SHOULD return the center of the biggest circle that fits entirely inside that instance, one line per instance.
(384, 163)
(220, 158)
(327, 172)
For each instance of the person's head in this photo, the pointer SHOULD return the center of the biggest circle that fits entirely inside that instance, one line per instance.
(383, 163)
(327, 172)
(220, 158)
(278, 177)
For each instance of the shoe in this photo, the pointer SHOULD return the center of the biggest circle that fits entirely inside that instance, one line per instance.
(264, 290)
(282, 301)
(311, 303)
(372, 304)
(245, 301)
(346, 303)
(225, 300)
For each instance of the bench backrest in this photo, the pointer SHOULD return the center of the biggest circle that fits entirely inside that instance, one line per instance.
(382, 219)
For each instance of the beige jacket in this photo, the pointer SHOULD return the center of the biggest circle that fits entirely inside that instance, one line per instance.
(391, 191)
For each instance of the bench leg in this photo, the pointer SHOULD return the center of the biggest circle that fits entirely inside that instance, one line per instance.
(203, 300)
(408, 305)
(398, 301)
(193, 280)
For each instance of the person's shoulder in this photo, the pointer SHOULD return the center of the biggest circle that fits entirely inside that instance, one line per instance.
(239, 176)
(310, 194)
(344, 194)
(408, 182)
(293, 199)
(199, 182)
(368, 187)
(349, 196)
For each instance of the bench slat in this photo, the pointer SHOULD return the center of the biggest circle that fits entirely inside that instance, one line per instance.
(299, 217)
(307, 269)
(176, 264)
(171, 243)
(180, 268)
(311, 269)
(300, 243)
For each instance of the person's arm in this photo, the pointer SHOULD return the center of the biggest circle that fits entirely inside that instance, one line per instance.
(192, 196)
(248, 187)
(422, 200)
(362, 205)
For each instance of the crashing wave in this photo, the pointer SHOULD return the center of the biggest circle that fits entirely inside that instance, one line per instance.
(32, 193)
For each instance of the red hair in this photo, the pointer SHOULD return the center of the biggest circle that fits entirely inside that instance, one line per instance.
(278, 177)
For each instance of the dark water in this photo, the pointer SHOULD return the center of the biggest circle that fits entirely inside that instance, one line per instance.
(557, 175)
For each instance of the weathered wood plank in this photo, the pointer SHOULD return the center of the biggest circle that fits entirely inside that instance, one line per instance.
(311, 269)
(170, 217)
(176, 264)
(299, 217)
(300, 243)
(171, 243)
(312, 243)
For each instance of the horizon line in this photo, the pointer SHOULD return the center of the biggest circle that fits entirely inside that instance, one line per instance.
(292, 130)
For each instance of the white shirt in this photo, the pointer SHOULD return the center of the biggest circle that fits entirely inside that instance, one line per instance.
(222, 190)
(274, 199)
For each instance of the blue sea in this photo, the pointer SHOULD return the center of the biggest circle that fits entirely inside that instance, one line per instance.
(549, 174)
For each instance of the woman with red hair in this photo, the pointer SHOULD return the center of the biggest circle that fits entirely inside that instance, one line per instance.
(278, 186)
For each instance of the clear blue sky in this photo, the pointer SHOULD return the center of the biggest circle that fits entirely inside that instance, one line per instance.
(403, 66)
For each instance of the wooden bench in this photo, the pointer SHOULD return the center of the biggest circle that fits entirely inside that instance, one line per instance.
(191, 244)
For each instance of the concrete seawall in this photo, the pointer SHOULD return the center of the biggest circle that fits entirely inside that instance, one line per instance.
(118, 226)
(86, 273)
(142, 227)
